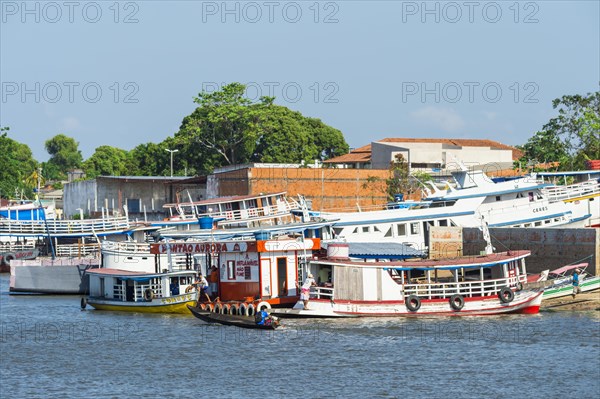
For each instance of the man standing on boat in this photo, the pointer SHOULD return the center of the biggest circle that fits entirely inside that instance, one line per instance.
(305, 290)
(576, 289)
(202, 285)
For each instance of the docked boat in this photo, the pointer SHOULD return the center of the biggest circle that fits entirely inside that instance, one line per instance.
(121, 290)
(561, 281)
(489, 284)
(232, 320)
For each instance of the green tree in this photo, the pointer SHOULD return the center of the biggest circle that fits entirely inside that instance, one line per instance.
(64, 155)
(570, 138)
(16, 164)
(108, 161)
(224, 123)
(544, 146)
(227, 128)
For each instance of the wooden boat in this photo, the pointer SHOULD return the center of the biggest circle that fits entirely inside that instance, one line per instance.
(561, 281)
(113, 289)
(489, 284)
(230, 320)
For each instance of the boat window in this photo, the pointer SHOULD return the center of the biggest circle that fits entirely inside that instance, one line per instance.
(556, 220)
(375, 228)
(498, 198)
(355, 230)
(389, 232)
(414, 228)
(527, 225)
(401, 229)
(538, 223)
(530, 196)
(452, 224)
(443, 223)
(365, 229)
(431, 222)
(547, 221)
(337, 231)
(230, 270)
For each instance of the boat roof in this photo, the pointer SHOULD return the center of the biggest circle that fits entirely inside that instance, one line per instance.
(221, 200)
(380, 250)
(564, 269)
(443, 264)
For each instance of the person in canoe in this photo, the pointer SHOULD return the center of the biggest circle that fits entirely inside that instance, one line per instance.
(263, 318)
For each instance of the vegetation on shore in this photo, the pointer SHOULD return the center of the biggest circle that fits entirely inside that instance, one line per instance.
(227, 128)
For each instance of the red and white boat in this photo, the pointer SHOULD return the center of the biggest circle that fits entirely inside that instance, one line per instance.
(464, 286)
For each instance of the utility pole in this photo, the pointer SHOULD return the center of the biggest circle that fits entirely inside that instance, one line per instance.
(171, 151)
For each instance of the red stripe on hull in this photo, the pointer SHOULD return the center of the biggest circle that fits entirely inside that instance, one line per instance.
(530, 310)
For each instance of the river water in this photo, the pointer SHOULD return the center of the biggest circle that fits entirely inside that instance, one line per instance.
(49, 348)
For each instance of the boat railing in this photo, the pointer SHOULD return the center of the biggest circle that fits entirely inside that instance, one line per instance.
(125, 246)
(77, 250)
(469, 289)
(63, 227)
(573, 191)
(321, 292)
(14, 246)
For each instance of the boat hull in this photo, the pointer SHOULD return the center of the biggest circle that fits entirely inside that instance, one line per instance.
(589, 284)
(526, 301)
(65, 276)
(229, 320)
(176, 304)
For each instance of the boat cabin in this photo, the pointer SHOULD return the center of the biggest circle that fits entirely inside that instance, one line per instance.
(475, 276)
(259, 269)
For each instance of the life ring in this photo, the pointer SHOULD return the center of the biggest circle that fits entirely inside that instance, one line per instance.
(8, 258)
(148, 294)
(251, 310)
(210, 307)
(218, 308)
(263, 305)
(226, 309)
(413, 303)
(83, 303)
(243, 309)
(457, 302)
(235, 310)
(506, 295)
(202, 307)
(519, 286)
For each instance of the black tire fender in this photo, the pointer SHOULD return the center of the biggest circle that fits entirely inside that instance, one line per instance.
(457, 302)
(413, 303)
(506, 295)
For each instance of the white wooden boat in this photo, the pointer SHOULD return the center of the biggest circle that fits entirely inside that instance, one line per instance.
(476, 285)
(122, 290)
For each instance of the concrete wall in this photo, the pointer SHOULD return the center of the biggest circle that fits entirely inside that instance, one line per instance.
(550, 248)
(153, 195)
(76, 195)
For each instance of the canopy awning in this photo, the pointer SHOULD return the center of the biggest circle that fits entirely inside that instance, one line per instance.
(564, 269)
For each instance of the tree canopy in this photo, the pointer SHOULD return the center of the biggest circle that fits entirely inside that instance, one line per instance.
(16, 165)
(228, 128)
(64, 155)
(108, 161)
(572, 137)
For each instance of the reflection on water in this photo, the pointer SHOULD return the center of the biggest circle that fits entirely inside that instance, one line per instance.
(50, 348)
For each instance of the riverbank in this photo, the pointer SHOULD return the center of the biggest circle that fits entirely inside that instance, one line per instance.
(586, 301)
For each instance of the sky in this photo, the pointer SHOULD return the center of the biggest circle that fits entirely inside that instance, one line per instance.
(125, 73)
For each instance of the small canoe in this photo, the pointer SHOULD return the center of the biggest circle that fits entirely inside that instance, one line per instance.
(229, 320)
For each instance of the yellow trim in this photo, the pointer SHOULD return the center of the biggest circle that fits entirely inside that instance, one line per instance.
(126, 307)
(582, 198)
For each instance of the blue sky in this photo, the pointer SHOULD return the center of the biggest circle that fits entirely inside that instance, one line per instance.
(124, 73)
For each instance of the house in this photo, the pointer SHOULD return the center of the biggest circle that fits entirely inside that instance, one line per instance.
(428, 154)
